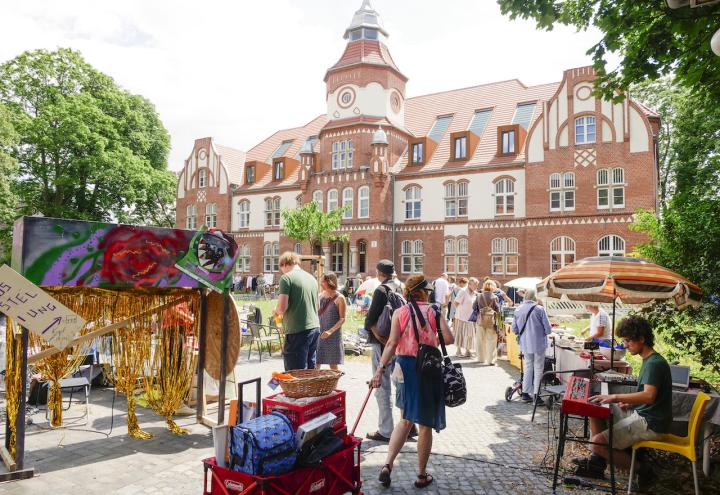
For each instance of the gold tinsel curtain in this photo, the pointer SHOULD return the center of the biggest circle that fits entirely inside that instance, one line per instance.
(13, 379)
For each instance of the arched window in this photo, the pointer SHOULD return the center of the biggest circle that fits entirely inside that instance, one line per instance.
(562, 191)
(610, 188)
(276, 212)
(244, 214)
(297, 248)
(462, 255)
(450, 266)
(191, 221)
(505, 197)
(504, 256)
(202, 178)
(348, 194)
(271, 256)
(362, 256)
(272, 212)
(243, 263)
(585, 130)
(338, 256)
(413, 203)
(332, 200)
(611, 245)
(364, 202)
(456, 200)
(318, 199)
(412, 256)
(211, 215)
(562, 252)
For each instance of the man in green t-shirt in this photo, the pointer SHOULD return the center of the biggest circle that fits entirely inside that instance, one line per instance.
(298, 305)
(641, 415)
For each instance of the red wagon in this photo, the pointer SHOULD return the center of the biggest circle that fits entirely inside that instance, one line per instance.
(339, 473)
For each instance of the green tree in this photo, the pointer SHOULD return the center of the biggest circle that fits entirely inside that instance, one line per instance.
(308, 223)
(8, 172)
(651, 39)
(87, 148)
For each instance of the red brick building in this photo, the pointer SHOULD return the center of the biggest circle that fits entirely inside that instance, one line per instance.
(501, 179)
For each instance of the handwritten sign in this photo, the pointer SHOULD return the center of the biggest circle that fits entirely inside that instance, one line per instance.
(34, 309)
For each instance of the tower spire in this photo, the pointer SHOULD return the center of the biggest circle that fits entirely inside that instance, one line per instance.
(366, 17)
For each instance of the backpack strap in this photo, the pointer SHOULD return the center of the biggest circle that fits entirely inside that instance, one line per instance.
(527, 318)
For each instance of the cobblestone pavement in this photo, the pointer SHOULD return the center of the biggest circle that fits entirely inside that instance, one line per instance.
(489, 446)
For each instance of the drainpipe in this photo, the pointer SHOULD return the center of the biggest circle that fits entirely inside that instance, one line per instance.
(392, 219)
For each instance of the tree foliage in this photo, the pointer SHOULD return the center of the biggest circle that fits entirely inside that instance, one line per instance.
(651, 39)
(308, 223)
(8, 172)
(87, 149)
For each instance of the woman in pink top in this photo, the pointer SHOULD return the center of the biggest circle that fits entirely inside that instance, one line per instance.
(421, 402)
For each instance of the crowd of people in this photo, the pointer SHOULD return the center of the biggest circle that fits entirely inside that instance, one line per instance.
(467, 313)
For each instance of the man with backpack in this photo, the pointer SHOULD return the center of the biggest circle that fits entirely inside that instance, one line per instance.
(377, 322)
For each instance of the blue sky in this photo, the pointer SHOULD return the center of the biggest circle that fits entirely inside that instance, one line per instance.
(239, 70)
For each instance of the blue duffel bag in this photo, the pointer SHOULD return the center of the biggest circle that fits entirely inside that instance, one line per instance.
(264, 446)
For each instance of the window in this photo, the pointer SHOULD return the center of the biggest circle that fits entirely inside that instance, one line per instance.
(202, 178)
(338, 256)
(342, 154)
(282, 149)
(456, 255)
(272, 212)
(243, 262)
(462, 255)
(450, 259)
(279, 170)
(244, 214)
(508, 142)
(611, 245)
(412, 203)
(299, 201)
(318, 199)
(191, 221)
(562, 252)
(250, 175)
(211, 215)
(460, 148)
(271, 256)
(611, 188)
(348, 194)
(505, 197)
(505, 257)
(362, 256)
(562, 191)
(297, 248)
(364, 202)
(584, 130)
(332, 200)
(412, 256)
(456, 199)
(417, 153)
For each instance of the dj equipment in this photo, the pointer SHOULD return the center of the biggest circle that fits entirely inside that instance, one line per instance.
(617, 378)
(576, 402)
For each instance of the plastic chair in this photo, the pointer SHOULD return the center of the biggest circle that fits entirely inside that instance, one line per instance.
(685, 446)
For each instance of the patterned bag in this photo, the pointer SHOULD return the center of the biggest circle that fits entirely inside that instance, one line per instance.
(264, 446)
(428, 364)
(452, 374)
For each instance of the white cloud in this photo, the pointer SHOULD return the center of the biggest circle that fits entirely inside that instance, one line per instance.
(240, 70)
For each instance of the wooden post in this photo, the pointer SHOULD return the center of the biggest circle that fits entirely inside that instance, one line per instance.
(223, 357)
(20, 420)
(200, 394)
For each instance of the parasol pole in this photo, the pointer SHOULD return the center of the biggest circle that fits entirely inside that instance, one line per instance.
(612, 332)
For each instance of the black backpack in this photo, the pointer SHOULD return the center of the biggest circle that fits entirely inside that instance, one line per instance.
(394, 301)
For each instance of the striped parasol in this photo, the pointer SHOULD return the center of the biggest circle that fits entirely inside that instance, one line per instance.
(607, 279)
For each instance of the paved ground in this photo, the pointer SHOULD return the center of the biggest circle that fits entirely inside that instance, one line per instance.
(489, 447)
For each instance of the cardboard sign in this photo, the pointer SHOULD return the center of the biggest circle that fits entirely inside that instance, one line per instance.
(37, 311)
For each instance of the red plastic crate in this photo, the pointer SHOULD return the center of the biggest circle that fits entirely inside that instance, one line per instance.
(339, 473)
(299, 414)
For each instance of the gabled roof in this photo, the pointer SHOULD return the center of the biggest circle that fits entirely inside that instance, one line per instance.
(421, 112)
(234, 161)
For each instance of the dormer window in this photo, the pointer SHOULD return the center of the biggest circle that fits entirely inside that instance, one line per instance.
(250, 175)
(508, 142)
(278, 170)
(460, 148)
(417, 153)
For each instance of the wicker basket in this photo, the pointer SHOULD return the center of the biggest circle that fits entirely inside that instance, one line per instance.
(310, 383)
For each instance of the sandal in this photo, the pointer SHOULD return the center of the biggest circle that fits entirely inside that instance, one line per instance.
(424, 480)
(384, 477)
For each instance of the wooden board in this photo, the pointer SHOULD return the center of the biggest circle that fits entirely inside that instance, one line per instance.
(214, 335)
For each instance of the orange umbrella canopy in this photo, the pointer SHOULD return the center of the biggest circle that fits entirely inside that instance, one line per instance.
(604, 279)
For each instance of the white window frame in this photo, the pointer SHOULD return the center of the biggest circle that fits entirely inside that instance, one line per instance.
(332, 200)
(417, 151)
(244, 214)
(611, 245)
(562, 252)
(583, 134)
(562, 187)
(342, 154)
(318, 197)
(191, 221)
(278, 166)
(211, 215)
(348, 196)
(460, 148)
(413, 203)
(504, 196)
(243, 263)
(610, 183)
(202, 178)
(450, 255)
(412, 257)
(508, 144)
(276, 212)
(297, 248)
(337, 255)
(451, 206)
(504, 256)
(364, 202)
(268, 212)
(463, 255)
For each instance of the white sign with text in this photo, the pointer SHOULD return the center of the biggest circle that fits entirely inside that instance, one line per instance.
(35, 310)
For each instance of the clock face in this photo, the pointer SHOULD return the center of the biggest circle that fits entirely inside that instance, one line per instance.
(396, 102)
(346, 97)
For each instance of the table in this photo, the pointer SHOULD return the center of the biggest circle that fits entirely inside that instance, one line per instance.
(566, 359)
(682, 403)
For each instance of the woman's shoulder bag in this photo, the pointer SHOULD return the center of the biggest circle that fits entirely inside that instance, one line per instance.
(452, 374)
(428, 363)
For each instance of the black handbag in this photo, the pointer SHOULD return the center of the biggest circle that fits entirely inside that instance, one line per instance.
(452, 374)
(428, 364)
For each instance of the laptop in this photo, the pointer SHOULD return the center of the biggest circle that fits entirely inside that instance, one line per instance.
(680, 376)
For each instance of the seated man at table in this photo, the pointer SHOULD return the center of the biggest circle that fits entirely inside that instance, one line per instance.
(641, 415)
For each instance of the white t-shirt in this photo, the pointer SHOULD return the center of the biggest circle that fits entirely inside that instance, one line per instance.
(441, 290)
(465, 304)
(601, 319)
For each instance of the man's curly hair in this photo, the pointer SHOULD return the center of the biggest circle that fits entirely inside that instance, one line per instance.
(634, 328)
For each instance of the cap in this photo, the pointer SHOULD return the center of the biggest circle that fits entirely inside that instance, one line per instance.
(386, 267)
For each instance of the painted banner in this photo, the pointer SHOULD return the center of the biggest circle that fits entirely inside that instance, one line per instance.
(36, 310)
